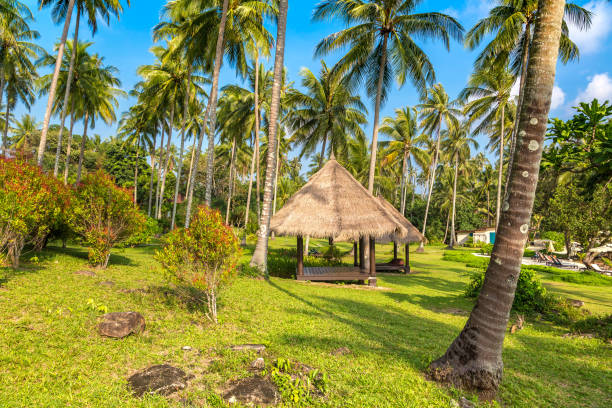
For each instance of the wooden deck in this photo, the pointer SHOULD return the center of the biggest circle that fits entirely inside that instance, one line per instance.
(333, 273)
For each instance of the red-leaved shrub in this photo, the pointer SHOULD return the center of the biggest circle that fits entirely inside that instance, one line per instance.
(30, 202)
(204, 255)
(103, 215)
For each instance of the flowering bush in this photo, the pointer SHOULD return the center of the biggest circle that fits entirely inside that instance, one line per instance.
(103, 215)
(30, 202)
(204, 255)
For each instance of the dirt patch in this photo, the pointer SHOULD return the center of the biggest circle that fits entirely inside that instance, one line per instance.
(256, 390)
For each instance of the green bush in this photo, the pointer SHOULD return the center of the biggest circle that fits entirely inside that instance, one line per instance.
(150, 229)
(103, 215)
(486, 249)
(203, 256)
(601, 326)
(557, 238)
(528, 253)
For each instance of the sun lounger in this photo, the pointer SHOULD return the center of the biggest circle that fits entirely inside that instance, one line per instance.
(598, 269)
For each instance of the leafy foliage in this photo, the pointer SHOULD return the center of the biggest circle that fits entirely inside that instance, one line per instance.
(103, 215)
(30, 203)
(204, 255)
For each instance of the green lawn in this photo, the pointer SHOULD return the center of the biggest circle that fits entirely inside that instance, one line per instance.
(51, 355)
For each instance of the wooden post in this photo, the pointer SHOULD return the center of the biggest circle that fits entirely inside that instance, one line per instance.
(300, 256)
(355, 254)
(372, 279)
(330, 241)
(362, 254)
(394, 250)
(407, 265)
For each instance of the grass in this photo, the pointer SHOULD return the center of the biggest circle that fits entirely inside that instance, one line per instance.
(51, 355)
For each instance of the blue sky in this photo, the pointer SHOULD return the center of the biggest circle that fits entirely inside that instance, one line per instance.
(125, 44)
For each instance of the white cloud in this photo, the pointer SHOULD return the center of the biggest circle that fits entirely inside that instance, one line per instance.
(591, 41)
(600, 87)
(558, 97)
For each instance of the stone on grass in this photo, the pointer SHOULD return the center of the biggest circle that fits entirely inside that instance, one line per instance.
(576, 302)
(255, 347)
(107, 283)
(341, 351)
(160, 379)
(186, 348)
(259, 364)
(85, 272)
(255, 390)
(121, 324)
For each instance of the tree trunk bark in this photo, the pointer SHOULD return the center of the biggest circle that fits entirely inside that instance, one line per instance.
(501, 168)
(7, 116)
(519, 105)
(152, 172)
(230, 181)
(159, 167)
(75, 43)
(4, 141)
(193, 150)
(452, 236)
(53, 88)
(322, 159)
(167, 163)
(261, 249)
(446, 228)
(180, 162)
(276, 174)
(474, 359)
(404, 183)
(374, 148)
(248, 203)
(82, 150)
(136, 176)
(257, 158)
(213, 105)
(69, 147)
(431, 185)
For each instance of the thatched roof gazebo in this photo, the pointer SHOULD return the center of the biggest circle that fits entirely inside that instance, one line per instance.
(333, 204)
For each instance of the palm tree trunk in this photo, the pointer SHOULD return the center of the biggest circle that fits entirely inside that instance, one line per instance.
(431, 185)
(413, 193)
(446, 228)
(4, 141)
(7, 116)
(374, 148)
(75, 42)
(159, 168)
(82, 151)
(212, 101)
(257, 158)
(501, 168)
(180, 162)
(248, 203)
(167, 163)
(69, 146)
(152, 172)
(488, 208)
(136, 176)
(403, 184)
(261, 249)
(519, 105)
(474, 359)
(230, 185)
(53, 87)
(193, 150)
(276, 176)
(452, 237)
(322, 159)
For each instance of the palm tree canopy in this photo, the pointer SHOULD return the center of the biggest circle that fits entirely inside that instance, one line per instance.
(94, 9)
(389, 25)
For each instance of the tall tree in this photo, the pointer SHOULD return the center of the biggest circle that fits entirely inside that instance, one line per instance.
(436, 109)
(260, 254)
(488, 101)
(380, 38)
(474, 359)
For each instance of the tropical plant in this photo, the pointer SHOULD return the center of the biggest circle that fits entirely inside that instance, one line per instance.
(380, 38)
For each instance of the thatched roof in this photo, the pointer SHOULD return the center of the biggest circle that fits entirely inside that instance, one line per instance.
(334, 204)
(413, 234)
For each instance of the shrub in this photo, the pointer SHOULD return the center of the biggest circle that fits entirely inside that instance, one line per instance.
(557, 238)
(486, 249)
(204, 255)
(30, 202)
(103, 215)
(528, 253)
(150, 229)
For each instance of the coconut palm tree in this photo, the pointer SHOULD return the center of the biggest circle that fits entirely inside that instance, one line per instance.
(380, 38)
(457, 148)
(405, 147)
(260, 254)
(435, 110)
(511, 24)
(474, 359)
(62, 11)
(488, 101)
(327, 111)
(19, 87)
(25, 132)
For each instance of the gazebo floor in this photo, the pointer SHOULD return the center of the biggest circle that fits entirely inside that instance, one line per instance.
(333, 273)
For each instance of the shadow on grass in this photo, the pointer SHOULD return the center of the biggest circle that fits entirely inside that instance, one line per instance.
(81, 253)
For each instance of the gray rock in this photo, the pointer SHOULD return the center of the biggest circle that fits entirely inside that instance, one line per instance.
(107, 283)
(259, 364)
(341, 351)
(255, 390)
(186, 348)
(85, 272)
(255, 347)
(158, 379)
(121, 324)
(465, 403)
(576, 302)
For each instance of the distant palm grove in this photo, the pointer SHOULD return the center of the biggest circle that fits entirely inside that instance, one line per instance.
(244, 148)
